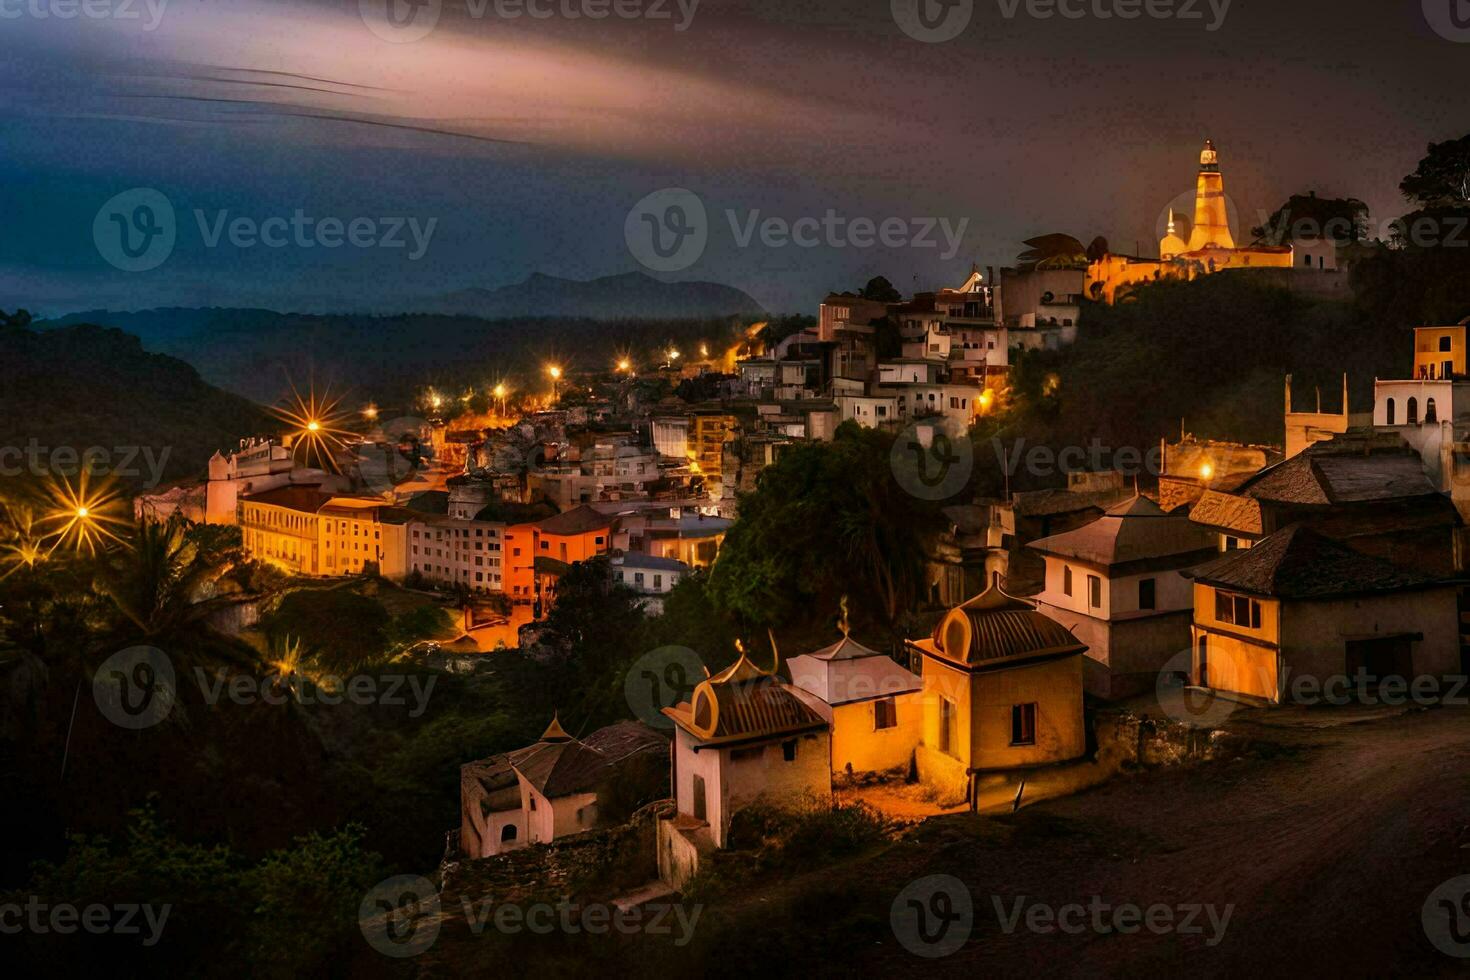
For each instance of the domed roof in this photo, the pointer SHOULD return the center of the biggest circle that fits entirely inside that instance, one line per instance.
(995, 626)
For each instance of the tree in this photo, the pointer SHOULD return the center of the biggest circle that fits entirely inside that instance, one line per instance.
(1442, 179)
(339, 629)
(163, 584)
(1307, 216)
(826, 519)
(880, 289)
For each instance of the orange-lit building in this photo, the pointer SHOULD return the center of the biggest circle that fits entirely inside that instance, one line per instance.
(1211, 246)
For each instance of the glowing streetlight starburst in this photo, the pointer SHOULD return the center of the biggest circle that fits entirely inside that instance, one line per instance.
(315, 426)
(81, 519)
(20, 540)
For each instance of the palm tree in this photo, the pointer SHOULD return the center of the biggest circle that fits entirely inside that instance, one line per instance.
(162, 587)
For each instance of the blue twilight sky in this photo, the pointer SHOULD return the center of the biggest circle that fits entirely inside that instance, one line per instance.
(526, 140)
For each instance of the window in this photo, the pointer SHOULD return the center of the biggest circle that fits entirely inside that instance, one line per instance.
(1023, 724)
(1444, 343)
(1094, 591)
(1412, 412)
(1430, 415)
(885, 714)
(947, 737)
(1147, 593)
(1237, 610)
(507, 833)
(1067, 580)
(1390, 412)
(788, 750)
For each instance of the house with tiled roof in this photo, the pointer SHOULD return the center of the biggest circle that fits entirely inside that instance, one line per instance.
(744, 735)
(870, 700)
(1372, 499)
(1299, 608)
(1002, 691)
(1117, 585)
(560, 786)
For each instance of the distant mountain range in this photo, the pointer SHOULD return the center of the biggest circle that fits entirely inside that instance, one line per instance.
(620, 297)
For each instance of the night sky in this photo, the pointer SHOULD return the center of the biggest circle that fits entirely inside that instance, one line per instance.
(526, 141)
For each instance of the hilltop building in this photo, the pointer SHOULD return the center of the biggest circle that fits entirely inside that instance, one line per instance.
(1211, 246)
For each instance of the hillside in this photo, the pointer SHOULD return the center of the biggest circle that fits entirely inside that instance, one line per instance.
(85, 386)
(1209, 357)
(253, 352)
(632, 294)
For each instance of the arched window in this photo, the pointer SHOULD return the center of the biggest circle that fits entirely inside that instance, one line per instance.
(1412, 417)
(1429, 414)
(1390, 420)
(507, 833)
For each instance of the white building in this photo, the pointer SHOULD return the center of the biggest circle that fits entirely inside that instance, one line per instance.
(559, 786)
(455, 552)
(1117, 585)
(649, 575)
(869, 411)
(743, 736)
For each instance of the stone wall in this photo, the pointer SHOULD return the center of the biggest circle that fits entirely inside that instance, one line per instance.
(594, 866)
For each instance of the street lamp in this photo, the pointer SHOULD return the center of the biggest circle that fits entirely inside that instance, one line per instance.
(499, 393)
(555, 372)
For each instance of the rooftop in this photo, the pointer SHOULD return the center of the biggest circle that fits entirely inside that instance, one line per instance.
(306, 498)
(1298, 563)
(1134, 530)
(578, 520)
(995, 627)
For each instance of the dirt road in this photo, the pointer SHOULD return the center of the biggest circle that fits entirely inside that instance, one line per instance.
(1326, 850)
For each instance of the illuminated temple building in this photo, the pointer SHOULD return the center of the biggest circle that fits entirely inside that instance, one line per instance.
(1211, 246)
